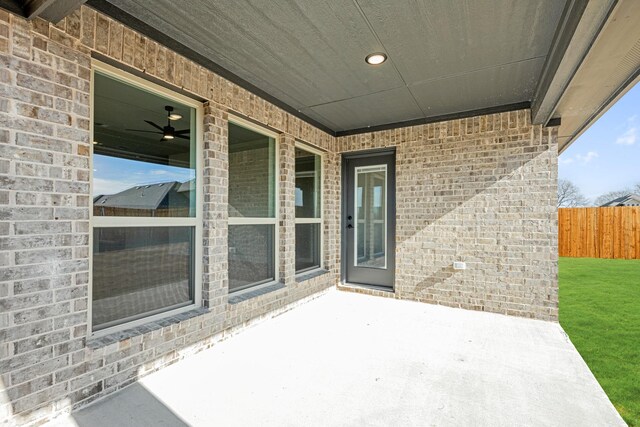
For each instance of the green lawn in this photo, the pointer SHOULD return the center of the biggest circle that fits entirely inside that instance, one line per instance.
(600, 310)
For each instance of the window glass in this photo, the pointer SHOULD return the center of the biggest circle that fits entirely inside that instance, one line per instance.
(307, 184)
(144, 161)
(252, 211)
(139, 271)
(251, 174)
(251, 255)
(371, 223)
(307, 246)
(144, 165)
(308, 210)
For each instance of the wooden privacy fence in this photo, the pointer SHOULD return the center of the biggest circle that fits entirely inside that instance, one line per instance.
(599, 232)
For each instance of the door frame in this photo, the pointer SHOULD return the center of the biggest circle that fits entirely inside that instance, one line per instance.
(391, 243)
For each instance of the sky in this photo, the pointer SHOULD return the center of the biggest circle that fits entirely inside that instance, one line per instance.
(112, 175)
(607, 156)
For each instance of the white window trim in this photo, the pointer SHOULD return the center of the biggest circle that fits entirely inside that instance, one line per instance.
(310, 149)
(276, 203)
(106, 222)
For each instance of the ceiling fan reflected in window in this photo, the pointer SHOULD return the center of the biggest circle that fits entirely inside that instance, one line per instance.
(168, 132)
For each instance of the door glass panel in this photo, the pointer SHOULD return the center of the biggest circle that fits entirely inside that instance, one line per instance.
(371, 216)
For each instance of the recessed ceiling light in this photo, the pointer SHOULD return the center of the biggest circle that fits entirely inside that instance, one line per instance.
(376, 58)
(174, 116)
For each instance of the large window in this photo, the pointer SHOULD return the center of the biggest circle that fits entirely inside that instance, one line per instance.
(308, 209)
(252, 207)
(146, 216)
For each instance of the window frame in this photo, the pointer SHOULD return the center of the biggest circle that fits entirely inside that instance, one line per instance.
(113, 222)
(239, 121)
(313, 150)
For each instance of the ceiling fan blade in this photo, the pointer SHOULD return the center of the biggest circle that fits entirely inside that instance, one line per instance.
(183, 137)
(145, 131)
(155, 125)
(178, 132)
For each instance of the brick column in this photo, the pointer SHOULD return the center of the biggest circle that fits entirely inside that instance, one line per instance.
(215, 280)
(287, 182)
(44, 213)
(331, 193)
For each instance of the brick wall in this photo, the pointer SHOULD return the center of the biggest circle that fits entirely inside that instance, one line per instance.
(44, 145)
(286, 204)
(480, 190)
(48, 361)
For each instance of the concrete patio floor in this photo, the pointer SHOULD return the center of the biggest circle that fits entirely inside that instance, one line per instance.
(350, 359)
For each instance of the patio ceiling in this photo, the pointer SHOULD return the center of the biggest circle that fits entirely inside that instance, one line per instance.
(446, 59)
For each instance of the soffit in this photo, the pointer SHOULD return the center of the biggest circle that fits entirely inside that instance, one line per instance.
(445, 57)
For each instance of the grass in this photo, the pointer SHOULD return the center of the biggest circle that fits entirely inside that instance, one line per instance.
(600, 310)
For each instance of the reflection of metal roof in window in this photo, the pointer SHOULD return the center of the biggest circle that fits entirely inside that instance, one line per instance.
(141, 197)
(187, 186)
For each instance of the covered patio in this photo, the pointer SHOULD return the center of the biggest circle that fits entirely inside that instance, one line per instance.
(347, 359)
(172, 175)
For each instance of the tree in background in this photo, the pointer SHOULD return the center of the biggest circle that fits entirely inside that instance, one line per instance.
(569, 195)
